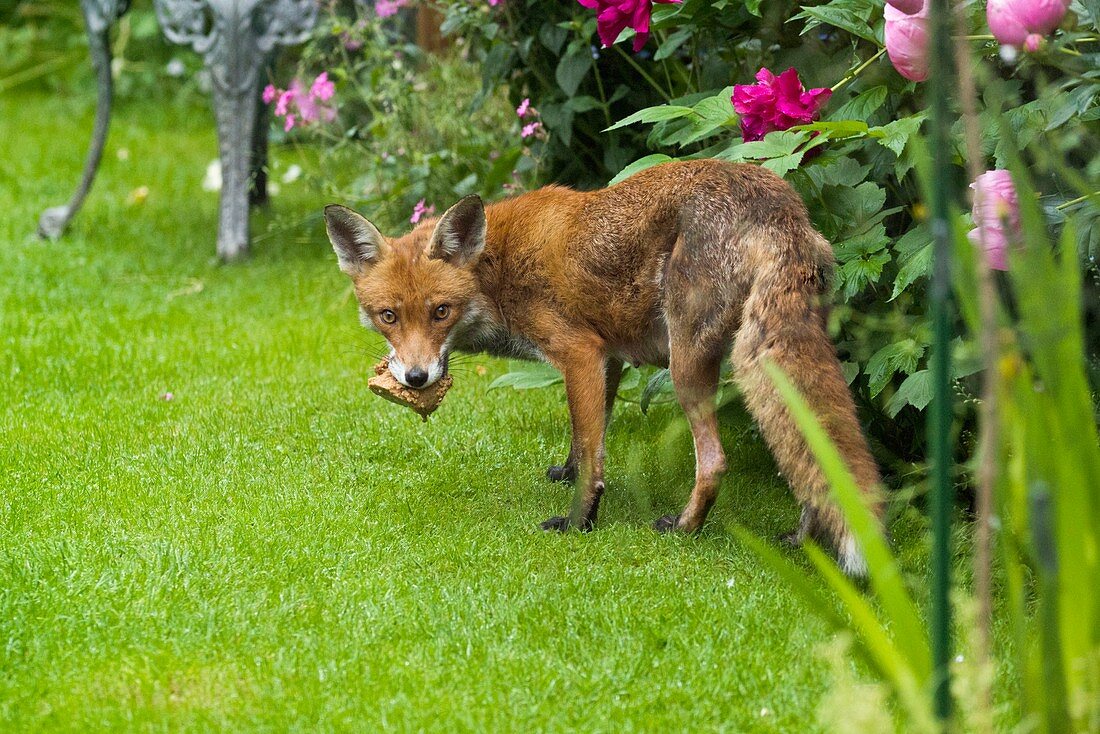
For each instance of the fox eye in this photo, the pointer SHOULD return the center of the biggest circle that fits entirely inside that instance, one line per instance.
(387, 316)
(442, 312)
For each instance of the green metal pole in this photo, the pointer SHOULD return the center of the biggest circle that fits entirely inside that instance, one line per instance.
(941, 87)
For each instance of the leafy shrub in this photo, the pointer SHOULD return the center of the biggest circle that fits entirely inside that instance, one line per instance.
(854, 167)
(405, 134)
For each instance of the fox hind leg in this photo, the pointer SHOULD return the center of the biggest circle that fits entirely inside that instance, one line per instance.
(695, 379)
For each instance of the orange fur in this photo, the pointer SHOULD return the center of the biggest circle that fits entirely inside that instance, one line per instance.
(681, 265)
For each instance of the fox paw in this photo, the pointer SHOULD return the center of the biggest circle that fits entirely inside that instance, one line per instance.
(667, 524)
(562, 473)
(559, 524)
(792, 539)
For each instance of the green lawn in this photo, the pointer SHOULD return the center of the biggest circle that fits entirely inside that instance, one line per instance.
(275, 548)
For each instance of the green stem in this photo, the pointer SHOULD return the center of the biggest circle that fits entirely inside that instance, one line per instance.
(859, 69)
(1078, 200)
(603, 95)
(642, 72)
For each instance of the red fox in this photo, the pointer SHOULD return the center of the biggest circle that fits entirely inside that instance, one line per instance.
(681, 265)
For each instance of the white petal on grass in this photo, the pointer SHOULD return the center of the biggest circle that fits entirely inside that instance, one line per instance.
(292, 174)
(213, 179)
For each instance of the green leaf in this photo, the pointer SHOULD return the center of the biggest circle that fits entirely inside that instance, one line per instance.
(783, 164)
(652, 114)
(639, 165)
(917, 265)
(853, 20)
(673, 42)
(583, 103)
(862, 106)
(857, 274)
(660, 382)
(896, 134)
(899, 356)
(916, 390)
(572, 68)
(527, 375)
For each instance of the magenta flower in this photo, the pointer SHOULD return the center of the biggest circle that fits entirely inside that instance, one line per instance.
(322, 88)
(996, 216)
(420, 211)
(530, 129)
(1012, 21)
(386, 8)
(299, 106)
(613, 16)
(906, 36)
(776, 103)
(524, 108)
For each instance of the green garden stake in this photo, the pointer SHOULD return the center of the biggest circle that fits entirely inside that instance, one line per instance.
(941, 89)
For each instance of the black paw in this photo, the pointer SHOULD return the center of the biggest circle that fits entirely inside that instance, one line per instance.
(667, 524)
(792, 539)
(563, 473)
(560, 524)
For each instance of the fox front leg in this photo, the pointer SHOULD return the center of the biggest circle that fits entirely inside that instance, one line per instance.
(586, 388)
(567, 472)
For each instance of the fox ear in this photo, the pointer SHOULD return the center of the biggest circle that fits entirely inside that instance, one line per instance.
(460, 235)
(357, 242)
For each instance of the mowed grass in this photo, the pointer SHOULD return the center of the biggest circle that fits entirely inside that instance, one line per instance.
(277, 549)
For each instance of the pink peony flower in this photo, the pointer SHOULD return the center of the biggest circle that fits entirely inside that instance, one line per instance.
(1012, 21)
(322, 88)
(996, 216)
(909, 7)
(524, 108)
(907, 38)
(420, 211)
(386, 8)
(776, 103)
(270, 93)
(613, 16)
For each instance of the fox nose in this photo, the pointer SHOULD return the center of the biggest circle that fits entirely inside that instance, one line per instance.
(416, 377)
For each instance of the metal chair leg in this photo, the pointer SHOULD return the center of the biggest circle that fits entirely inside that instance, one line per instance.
(99, 15)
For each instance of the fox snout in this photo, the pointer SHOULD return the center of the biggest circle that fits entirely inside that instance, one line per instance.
(417, 373)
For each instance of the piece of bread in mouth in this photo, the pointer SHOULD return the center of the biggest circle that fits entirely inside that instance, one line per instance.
(424, 401)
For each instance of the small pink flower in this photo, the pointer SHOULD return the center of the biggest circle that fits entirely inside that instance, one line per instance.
(494, 3)
(530, 129)
(1012, 21)
(386, 8)
(283, 105)
(270, 93)
(613, 16)
(524, 107)
(420, 211)
(776, 103)
(288, 125)
(322, 88)
(906, 36)
(996, 216)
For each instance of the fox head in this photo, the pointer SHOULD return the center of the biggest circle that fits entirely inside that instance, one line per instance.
(419, 291)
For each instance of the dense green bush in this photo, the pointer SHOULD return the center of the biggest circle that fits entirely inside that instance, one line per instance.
(405, 133)
(854, 168)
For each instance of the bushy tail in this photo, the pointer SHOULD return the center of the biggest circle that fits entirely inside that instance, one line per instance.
(784, 322)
